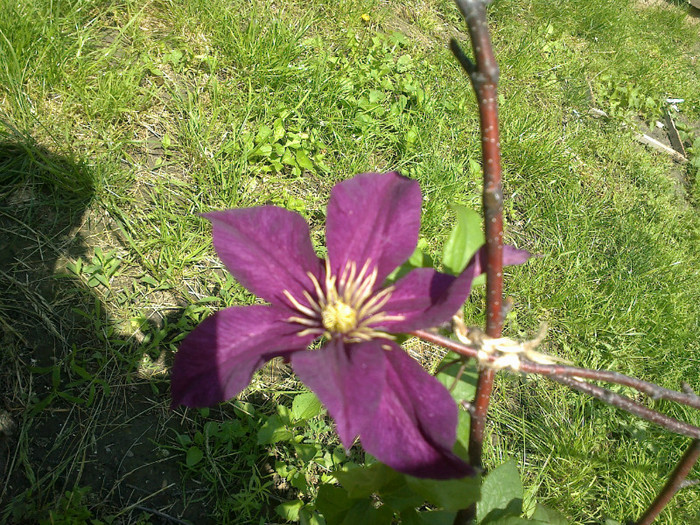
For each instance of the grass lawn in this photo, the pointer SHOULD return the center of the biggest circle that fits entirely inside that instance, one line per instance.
(122, 120)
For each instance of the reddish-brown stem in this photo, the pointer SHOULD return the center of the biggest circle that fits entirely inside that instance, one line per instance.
(484, 78)
(674, 483)
(566, 375)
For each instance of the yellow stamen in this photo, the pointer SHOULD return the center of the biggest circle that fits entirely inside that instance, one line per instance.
(339, 317)
(297, 304)
(343, 305)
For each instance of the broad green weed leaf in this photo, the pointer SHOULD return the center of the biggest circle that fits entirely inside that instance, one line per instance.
(550, 516)
(273, 430)
(431, 517)
(194, 456)
(465, 388)
(289, 510)
(510, 520)
(305, 406)
(453, 494)
(264, 150)
(309, 517)
(303, 160)
(375, 96)
(397, 495)
(307, 451)
(501, 494)
(279, 131)
(333, 502)
(366, 513)
(411, 517)
(264, 133)
(465, 239)
(463, 425)
(362, 481)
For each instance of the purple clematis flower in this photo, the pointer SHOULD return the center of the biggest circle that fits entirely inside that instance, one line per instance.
(370, 386)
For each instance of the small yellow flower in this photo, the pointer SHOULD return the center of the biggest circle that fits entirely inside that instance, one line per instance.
(365, 18)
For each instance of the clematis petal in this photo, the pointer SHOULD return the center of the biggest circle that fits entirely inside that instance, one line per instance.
(348, 379)
(373, 216)
(267, 249)
(415, 425)
(511, 257)
(217, 359)
(425, 298)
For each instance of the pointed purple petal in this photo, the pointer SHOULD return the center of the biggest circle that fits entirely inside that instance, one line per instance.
(427, 298)
(217, 359)
(415, 425)
(373, 216)
(267, 249)
(348, 379)
(511, 257)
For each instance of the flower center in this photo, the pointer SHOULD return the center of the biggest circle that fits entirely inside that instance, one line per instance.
(345, 304)
(339, 317)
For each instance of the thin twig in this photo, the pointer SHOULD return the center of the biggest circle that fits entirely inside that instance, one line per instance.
(573, 378)
(674, 483)
(631, 406)
(655, 392)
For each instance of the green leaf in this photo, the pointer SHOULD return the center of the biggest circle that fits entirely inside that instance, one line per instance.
(71, 398)
(501, 494)
(264, 150)
(279, 130)
(303, 160)
(41, 405)
(465, 239)
(366, 513)
(298, 481)
(509, 520)
(433, 517)
(333, 502)
(309, 517)
(419, 259)
(397, 495)
(184, 439)
(453, 494)
(149, 280)
(375, 96)
(363, 481)
(463, 424)
(404, 63)
(273, 430)
(465, 387)
(305, 406)
(289, 510)
(288, 158)
(194, 456)
(307, 451)
(550, 516)
(264, 133)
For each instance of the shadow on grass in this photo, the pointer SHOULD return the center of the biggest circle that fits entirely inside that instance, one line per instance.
(85, 428)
